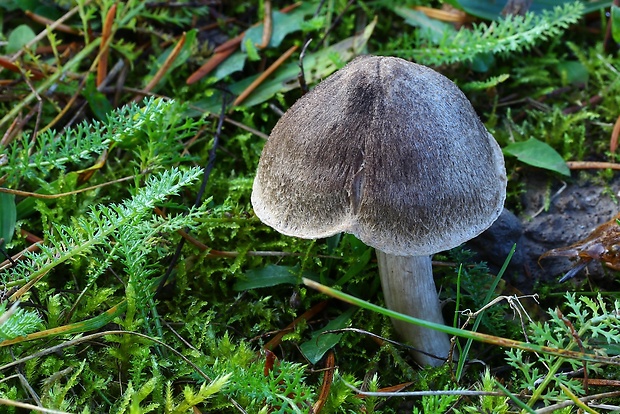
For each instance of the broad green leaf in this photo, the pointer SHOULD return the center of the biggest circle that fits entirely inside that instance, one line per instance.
(38, 7)
(482, 62)
(538, 154)
(492, 10)
(356, 267)
(8, 217)
(271, 275)
(232, 64)
(184, 54)
(18, 38)
(572, 72)
(97, 101)
(186, 50)
(282, 24)
(8, 5)
(316, 67)
(431, 29)
(615, 23)
(320, 343)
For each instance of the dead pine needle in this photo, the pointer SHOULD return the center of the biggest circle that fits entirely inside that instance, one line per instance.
(242, 97)
(104, 51)
(164, 68)
(592, 165)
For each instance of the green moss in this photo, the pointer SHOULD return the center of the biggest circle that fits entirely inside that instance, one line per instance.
(105, 251)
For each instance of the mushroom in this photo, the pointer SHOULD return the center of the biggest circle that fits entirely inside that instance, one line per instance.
(393, 153)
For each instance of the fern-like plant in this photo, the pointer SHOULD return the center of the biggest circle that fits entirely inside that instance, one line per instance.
(87, 233)
(124, 237)
(440, 44)
(588, 324)
(16, 321)
(145, 129)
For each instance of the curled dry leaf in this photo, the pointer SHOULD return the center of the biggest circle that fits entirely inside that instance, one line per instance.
(602, 244)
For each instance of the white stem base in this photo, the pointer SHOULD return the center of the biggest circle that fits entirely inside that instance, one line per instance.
(409, 288)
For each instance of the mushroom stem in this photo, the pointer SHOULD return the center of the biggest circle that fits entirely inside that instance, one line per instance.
(409, 288)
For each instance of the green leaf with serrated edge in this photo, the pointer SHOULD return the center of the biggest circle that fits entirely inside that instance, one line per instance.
(538, 154)
(489, 83)
(8, 217)
(320, 343)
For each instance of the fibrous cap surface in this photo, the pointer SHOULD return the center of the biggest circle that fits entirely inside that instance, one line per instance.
(388, 150)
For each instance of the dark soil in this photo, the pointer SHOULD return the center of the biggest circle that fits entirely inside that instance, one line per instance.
(555, 214)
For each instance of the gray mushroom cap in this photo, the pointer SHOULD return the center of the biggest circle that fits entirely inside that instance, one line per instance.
(385, 149)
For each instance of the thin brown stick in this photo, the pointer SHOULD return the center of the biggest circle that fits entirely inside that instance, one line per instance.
(26, 287)
(27, 406)
(246, 128)
(18, 256)
(326, 384)
(594, 165)
(118, 67)
(38, 108)
(26, 385)
(52, 196)
(264, 76)
(74, 97)
(267, 25)
(306, 316)
(8, 136)
(554, 407)
(235, 41)
(44, 33)
(45, 50)
(104, 50)
(223, 51)
(164, 68)
(47, 22)
(213, 62)
(600, 382)
(17, 128)
(230, 43)
(613, 142)
(36, 74)
(579, 343)
(593, 101)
